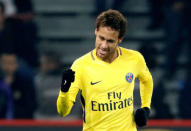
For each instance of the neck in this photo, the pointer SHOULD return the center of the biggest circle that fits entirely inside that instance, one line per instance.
(112, 57)
(1, 25)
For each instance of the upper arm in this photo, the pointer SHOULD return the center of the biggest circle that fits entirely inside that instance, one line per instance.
(143, 71)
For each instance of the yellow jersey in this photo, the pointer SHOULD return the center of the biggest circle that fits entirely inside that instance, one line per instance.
(107, 90)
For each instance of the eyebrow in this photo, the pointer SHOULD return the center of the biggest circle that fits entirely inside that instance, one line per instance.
(110, 40)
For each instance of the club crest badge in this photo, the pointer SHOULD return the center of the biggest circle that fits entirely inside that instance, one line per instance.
(129, 77)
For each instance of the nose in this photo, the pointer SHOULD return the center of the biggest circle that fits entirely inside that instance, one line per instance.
(104, 44)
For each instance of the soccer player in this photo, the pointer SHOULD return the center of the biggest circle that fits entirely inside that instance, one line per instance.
(106, 76)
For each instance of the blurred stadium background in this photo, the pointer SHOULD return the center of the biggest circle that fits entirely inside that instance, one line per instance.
(66, 27)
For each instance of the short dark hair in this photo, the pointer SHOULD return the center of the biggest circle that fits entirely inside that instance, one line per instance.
(9, 53)
(113, 19)
(2, 7)
(52, 56)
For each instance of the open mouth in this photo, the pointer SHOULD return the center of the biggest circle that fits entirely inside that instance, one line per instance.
(102, 52)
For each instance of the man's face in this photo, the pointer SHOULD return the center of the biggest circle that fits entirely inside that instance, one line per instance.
(1, 16)
(9, 64)
(106, 42)
(46, 65)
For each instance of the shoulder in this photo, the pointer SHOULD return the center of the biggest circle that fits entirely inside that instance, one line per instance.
(130, 52)
(85, 59)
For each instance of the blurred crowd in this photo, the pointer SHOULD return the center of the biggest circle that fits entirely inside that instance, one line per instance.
(174, 17)
(18, 38)
(30, 81)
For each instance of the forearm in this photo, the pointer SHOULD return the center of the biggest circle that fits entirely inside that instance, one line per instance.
(64, 104)
(146, 90)
(10, 110)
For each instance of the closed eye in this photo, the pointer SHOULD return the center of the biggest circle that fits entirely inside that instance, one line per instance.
(110, 41)
(101, 38)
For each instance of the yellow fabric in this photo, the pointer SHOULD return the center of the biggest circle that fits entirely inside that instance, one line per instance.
(107, 89)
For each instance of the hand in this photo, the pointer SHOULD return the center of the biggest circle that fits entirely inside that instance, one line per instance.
(178, 6)
(142, 116)
(67, 77)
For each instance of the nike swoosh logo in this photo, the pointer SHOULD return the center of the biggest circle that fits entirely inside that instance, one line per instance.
(93, 83)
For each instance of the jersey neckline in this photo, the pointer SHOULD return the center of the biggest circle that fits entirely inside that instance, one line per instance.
(95, 58)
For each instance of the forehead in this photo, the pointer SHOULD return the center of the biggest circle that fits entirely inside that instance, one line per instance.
(9, 58)
(108, 32)
(1, 10)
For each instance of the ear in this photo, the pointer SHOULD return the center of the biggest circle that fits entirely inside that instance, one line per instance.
(120, 40)
(96, 31)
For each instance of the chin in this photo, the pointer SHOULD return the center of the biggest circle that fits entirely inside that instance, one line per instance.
(102, 56)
